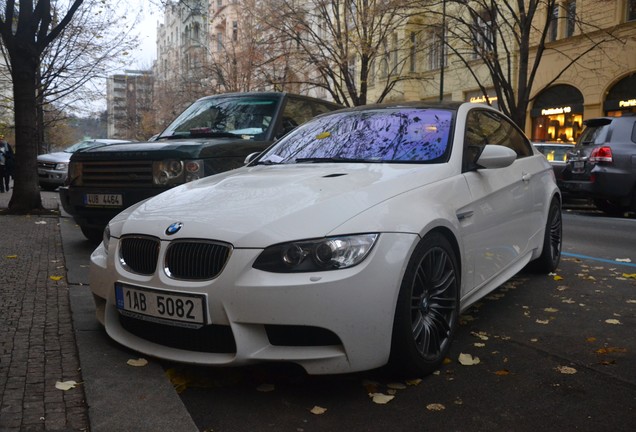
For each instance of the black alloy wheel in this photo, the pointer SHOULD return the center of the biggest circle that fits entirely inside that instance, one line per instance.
(550, 257)
(427, 309)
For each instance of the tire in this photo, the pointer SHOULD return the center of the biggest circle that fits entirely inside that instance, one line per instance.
(94, 235)
(610, 208)
(427, 309)
(550, 256)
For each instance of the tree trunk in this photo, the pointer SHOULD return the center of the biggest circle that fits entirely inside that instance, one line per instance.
(26, 191)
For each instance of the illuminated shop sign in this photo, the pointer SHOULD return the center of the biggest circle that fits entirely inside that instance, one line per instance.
(627, 103)
(555, 111)
(482, 99)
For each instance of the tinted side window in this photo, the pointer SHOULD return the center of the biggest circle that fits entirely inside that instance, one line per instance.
(634, 132)
(487, 127)
(298, 111)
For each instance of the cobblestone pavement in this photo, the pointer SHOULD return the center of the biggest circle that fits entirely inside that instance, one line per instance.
(37, 341)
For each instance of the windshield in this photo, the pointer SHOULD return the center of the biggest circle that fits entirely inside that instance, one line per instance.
(379, 135)
(80, 146)
(248, 118)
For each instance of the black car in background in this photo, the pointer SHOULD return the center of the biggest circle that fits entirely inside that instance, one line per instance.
(556, 154)
(602, 165)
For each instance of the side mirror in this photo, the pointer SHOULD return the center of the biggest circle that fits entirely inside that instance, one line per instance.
(496, 156)
(250, 157)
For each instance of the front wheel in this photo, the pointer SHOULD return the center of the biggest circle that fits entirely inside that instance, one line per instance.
(94, 235)
(427, 309)
(549, 259)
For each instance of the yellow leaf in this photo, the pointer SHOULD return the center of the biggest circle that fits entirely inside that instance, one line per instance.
(550, 309)
(56, 278)
(380, 398)
(590, 339)
(468, 360)
(323, 135)
(629, 275)
(318, 410)
(396, 386)
(557, 278)
(502, 372)
(11, 256)
(608, 350)
(566, 370)
(414, 382)
(266, 388)
(435, 407)
(65, 385)
(613, 321)
(137, 362)
(447, 361)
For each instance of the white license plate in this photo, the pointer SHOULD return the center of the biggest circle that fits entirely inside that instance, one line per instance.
(168, 307)
(103, 200)
(578, 166)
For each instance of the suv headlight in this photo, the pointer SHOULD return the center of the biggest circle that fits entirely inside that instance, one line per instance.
(172, 171)
(60, 166)
(329, 253)
(106, 238)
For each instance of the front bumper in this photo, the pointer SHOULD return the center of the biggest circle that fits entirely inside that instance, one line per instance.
(73, 201)
(267, 315)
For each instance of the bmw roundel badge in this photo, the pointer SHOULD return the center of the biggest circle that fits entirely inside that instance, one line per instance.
(174, 228)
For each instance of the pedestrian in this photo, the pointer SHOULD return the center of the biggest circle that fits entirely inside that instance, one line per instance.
(7, 162)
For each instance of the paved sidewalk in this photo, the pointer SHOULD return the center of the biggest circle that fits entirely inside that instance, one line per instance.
(37, 341)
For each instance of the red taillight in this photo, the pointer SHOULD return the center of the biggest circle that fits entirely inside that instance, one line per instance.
(601, 154)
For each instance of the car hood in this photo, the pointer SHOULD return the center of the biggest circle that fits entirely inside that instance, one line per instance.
(259, 206)
(179, 149)
(56, 157)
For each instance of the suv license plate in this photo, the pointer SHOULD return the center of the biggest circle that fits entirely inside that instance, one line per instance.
(578, 166)
(103, 200)
(166, 307)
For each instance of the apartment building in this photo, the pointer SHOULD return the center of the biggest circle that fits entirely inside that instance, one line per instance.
(128, 101)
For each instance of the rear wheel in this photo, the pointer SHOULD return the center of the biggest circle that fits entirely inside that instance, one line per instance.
(609, 207)
(549, 259)
(427, 309)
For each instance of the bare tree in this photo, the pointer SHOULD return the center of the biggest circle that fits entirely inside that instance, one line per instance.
(502, 45)
(53, 50)
(345, 42)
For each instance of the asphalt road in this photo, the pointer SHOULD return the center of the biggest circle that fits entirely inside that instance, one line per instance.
(556, 352)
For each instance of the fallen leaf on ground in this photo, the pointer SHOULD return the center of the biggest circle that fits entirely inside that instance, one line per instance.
(40, 223)
(627, 260)
(380, 398)
(542, 321)
(479, 344)
(631, 301)
(56, 278)
(414, 382)
(612, 321)
(502, 372)
(11, 256)
(468, 360)
(480, 335)
(629, 275)
(65, 385)
(435, 407)
(608, 350)
(396, 386)
(550, 309)
(137, 362)
(318, 410)
(567, 370)
(266, 388)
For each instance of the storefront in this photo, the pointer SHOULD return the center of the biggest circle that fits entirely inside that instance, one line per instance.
(557, 115)
(621, 98)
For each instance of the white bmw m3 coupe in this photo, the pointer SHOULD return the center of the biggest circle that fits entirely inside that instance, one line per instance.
(353, 242)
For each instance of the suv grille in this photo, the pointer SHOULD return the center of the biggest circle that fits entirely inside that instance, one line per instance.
(117, 173)
(196, 259)
(139, 254)
(47, 165)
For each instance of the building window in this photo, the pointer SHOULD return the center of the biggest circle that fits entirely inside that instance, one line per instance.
(554, 24)
(571, 17)
(436, 50)
(631, 10)
(483, 33)
(219, 41)
(413, 52)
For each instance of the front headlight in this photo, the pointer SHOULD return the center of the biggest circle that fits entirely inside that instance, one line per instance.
(329, 253)
(106, 238)
(172, 171)
(60, 166)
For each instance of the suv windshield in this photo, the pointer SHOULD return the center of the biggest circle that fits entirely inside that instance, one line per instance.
(248, 118)
(382, 135)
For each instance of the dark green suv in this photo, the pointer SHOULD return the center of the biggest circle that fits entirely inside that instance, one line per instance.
(214, 134)
(602, 165)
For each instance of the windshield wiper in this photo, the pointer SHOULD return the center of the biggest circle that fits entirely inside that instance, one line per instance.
(334, 159)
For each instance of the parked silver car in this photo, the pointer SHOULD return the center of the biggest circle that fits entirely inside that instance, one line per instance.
(53, 167)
